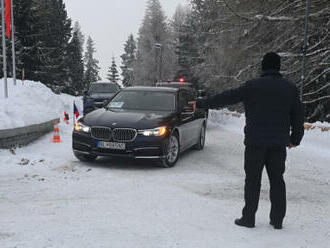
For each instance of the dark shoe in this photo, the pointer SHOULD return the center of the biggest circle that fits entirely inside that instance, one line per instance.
(245, 223)
(276, 224)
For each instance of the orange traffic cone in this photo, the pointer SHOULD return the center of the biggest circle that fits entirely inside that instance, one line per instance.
(66, 118)
(56, 138)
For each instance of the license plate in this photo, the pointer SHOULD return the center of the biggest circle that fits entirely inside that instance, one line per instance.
(111, 145)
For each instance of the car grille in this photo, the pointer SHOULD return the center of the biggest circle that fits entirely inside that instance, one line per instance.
(124, 134)
(117, 134)
(101, 133)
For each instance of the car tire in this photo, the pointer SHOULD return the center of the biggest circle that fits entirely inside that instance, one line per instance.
(172, 151)
(84, 157)
(201, 141)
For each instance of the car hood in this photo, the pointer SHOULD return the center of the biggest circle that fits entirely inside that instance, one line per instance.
(129, 119)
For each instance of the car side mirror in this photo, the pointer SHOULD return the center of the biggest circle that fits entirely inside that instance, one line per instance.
(190, 108)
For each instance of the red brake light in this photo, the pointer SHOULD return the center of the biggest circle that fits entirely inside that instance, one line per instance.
(181, 80)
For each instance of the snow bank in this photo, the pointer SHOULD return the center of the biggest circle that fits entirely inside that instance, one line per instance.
(316, 140)
(32, 103)
(318, 124)
(223, 116)
(226, 120)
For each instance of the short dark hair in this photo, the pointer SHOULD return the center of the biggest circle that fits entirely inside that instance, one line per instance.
(271, 61)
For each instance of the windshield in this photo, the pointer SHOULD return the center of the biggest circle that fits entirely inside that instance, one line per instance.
(144, 100)
(103, 88)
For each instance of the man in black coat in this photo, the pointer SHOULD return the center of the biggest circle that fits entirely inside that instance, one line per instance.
(274, 121)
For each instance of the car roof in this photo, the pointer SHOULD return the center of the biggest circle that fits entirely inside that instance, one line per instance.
(174, 84)
(103, 83)
(151, 88)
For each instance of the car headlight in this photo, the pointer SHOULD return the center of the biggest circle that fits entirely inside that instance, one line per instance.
(160, 131)
(79, 127)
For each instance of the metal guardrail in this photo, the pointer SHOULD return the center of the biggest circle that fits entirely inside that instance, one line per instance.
(24, 135)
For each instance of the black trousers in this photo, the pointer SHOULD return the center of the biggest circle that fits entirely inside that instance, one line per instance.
(273, 158)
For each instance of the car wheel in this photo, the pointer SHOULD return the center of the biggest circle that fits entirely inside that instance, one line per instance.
(84, 157)
(201, 140)
(172, 151)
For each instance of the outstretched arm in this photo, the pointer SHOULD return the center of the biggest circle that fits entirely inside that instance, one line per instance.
(228, 97)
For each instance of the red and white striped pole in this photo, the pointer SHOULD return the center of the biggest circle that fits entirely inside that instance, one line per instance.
(4, 55)
(13, 42)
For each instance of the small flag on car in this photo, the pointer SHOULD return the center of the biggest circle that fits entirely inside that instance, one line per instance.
(75, 110)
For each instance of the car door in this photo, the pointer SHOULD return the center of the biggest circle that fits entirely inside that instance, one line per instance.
(187, 125)
(198, 117)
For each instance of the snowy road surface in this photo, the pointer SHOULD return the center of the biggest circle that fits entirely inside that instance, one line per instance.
(56, 201)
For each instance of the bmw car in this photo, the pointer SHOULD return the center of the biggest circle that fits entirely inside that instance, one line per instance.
(155, 123)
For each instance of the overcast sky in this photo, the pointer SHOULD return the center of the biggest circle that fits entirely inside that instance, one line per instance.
(109, 22)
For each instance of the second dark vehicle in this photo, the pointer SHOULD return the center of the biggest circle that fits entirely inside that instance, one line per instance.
(142, 122)
(97, 94)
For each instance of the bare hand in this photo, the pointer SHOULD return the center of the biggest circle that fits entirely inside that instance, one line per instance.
(194, 105)
(291, 146)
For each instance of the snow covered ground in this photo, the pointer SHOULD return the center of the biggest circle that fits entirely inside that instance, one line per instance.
(56, 201)
(31, 103)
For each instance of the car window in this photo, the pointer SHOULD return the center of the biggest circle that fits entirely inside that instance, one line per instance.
(103, 88)
(143, 100)
(183, 99)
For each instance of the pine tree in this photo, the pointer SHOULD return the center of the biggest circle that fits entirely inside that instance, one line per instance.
(53, 33)
(80, 35)
(184, 33)
(91, 64)
(43, 32)
(154, 30)
(76, 63)
(113, 75)
(25, 40)
(128, 60)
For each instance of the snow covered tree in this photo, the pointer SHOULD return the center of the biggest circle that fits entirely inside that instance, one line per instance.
(184, 38)
(76, 64)
(128, 59)
(25, 17)
(43, 31)
(154, 30)
(232, 37)
(53, 33)
(113, 75)
(91, 64)
(44, 48)
(80, 35)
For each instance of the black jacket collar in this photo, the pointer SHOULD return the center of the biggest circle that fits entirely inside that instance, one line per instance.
(274, 73)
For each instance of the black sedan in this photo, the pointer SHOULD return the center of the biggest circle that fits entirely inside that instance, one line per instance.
(142, 123)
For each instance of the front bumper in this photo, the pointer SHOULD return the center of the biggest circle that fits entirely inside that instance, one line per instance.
(141, 148)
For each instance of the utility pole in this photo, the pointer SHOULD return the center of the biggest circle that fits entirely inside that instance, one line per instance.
(159, 47)
(305, 49)
(4, 55)
(13, 42)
